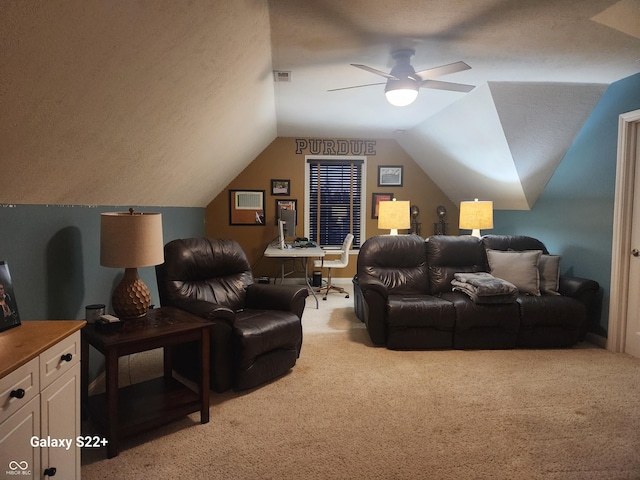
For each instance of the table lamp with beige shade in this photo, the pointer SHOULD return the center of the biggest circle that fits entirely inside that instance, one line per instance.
(131, 240)
(476, 216)
(394, 215)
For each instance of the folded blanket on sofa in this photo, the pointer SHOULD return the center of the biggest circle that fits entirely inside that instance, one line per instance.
(483, 287)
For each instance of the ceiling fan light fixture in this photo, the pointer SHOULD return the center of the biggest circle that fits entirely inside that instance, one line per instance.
(401, 93)
(403, 82)
(401, 97)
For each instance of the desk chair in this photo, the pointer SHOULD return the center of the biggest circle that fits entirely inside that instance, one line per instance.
(329, 264)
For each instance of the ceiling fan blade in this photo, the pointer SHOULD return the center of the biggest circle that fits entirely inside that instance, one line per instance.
(373, 70)
(454, 87)
(356, 86)
(442, 70)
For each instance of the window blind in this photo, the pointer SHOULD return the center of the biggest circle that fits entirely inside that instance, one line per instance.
(335, 201)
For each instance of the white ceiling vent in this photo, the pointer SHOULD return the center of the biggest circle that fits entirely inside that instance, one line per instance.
(281, 76)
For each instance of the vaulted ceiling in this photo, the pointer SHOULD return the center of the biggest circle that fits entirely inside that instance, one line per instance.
(164, 103)
(539, 68)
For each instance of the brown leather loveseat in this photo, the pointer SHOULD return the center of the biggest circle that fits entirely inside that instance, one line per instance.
(404, 294)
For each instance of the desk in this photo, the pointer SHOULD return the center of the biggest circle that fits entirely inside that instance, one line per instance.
(125, 411)
(303, 253)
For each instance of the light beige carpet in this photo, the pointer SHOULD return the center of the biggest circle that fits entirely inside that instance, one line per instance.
(349, 410)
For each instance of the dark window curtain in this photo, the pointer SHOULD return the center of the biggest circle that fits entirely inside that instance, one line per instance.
(335, 200)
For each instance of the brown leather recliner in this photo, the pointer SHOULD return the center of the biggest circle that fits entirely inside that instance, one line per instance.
(256, 331)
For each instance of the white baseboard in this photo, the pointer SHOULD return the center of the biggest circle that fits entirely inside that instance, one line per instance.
(97, 386)
(132, 369)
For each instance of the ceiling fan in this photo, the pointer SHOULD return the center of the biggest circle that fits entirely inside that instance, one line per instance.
(403, 82)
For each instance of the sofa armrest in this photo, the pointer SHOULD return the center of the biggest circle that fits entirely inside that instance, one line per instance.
(374, 285)
(587, 292)
(289, 298)
(207, 310)
(577, 287)
(374, 295)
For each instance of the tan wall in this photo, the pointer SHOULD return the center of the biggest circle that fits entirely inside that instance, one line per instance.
(280, 161)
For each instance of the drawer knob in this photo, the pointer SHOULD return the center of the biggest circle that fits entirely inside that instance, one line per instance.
(18, 393)
(50, 472)
(66, 357)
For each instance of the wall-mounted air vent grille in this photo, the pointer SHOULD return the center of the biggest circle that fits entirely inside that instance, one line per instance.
(281, 76)
(249, 200)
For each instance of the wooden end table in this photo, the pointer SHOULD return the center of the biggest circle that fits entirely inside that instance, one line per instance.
(148, 404)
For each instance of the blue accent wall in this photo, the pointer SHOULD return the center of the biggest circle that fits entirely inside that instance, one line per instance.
(573, 216)
(53, 253)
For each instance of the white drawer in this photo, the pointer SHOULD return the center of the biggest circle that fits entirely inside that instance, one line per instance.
(59, 359)
(24, 382)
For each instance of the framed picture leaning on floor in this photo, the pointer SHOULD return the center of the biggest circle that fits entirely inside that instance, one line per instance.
(10, 317)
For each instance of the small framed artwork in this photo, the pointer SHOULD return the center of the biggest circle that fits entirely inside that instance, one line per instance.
(390, 175)
(376, 198)
(287, 204)
(280, 187)
(10, 317)
(246, 207)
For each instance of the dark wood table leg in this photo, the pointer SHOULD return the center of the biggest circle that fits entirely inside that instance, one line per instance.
(111, 367)
(168, 361)
(204, 379)
(84, 377)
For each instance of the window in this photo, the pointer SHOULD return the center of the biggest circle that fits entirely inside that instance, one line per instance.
(334, 207)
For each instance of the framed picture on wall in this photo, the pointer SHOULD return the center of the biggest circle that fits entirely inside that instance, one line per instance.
(246, 207)
(376, 198)
(280, 187)
(287, 204)
(10, 317)
(390, 176)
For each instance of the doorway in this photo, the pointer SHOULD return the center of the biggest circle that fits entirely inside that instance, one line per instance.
(624, 311)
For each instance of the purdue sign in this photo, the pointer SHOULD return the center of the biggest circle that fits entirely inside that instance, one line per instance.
(319, 146)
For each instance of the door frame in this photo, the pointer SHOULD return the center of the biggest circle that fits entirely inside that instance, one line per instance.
(628, 131)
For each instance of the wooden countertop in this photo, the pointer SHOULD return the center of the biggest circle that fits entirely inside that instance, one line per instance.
(20, 344)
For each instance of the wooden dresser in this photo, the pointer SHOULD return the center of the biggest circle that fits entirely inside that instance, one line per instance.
(40, 399)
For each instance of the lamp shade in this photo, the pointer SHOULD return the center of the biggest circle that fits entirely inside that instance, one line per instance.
(394, 215)
(476, 215)
(131, 239)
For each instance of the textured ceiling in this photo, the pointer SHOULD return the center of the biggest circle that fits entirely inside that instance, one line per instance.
(539, 67)
(164, 103)
(131, 103)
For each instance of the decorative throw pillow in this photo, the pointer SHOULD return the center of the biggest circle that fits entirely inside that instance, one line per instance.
(549, 267)
(519, 268)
